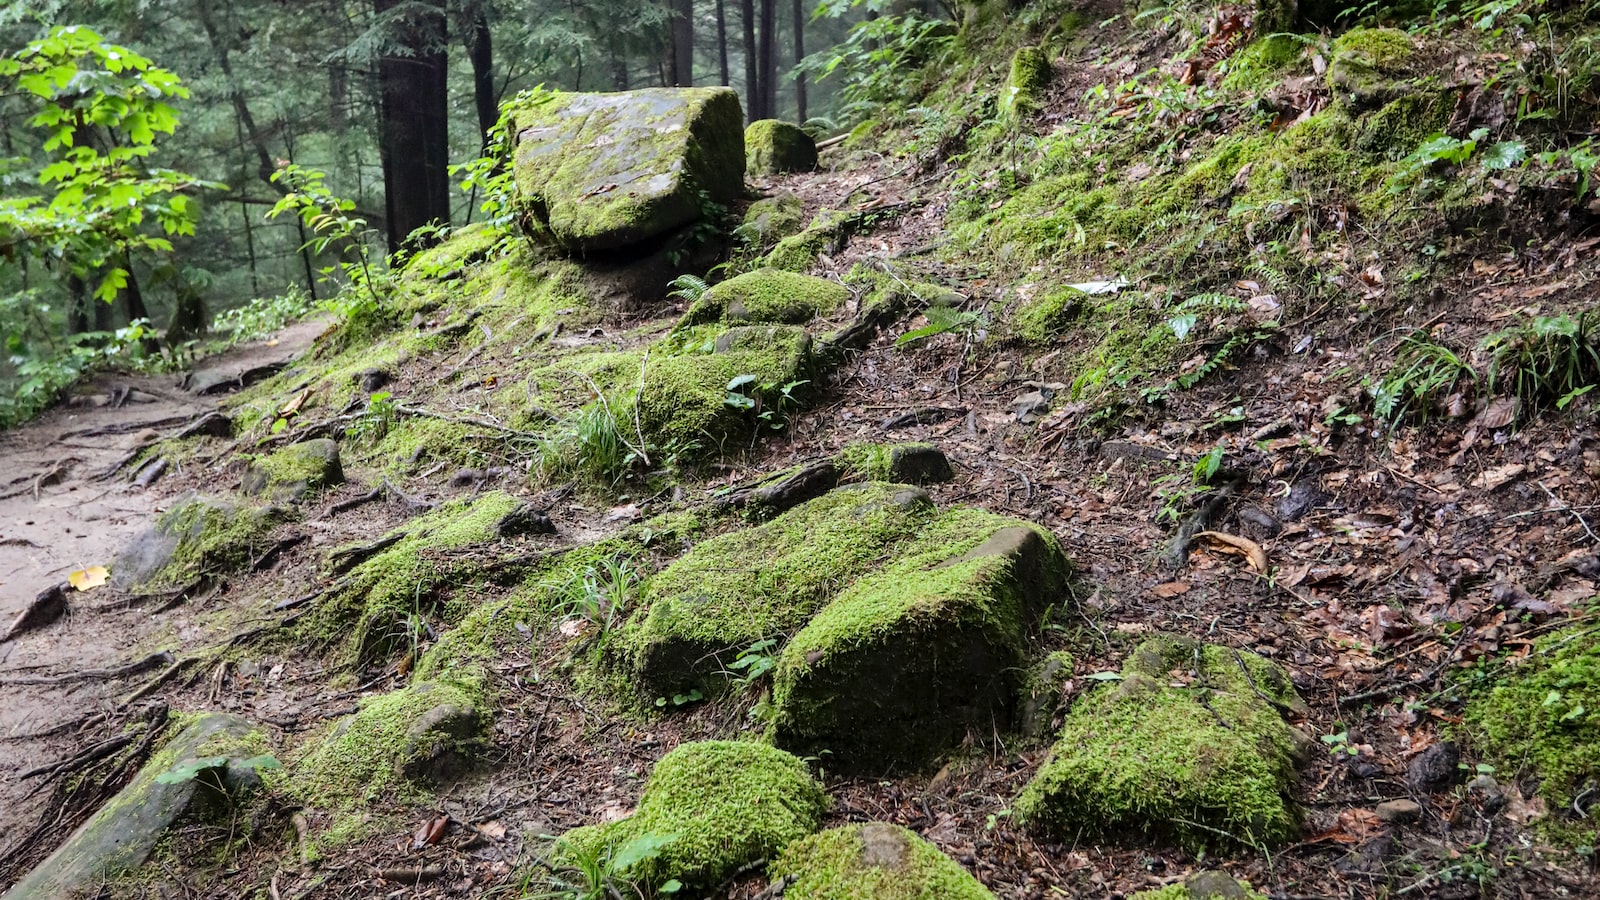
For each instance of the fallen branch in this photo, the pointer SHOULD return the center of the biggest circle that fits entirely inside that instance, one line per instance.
(49, 605)
(133, 668)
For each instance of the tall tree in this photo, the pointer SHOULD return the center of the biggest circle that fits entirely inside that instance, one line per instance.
(414, 114)
(752, 80)
(722, 41)
(480, 53)
(799, 54)
(769, 59)
(682, 29)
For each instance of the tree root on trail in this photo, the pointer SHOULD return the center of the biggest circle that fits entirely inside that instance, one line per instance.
(46, 608)
(1177, 552)
(134, 668)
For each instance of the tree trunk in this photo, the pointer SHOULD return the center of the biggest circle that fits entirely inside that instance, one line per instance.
(799, 54)
(752, 72)
(682, 73)
(78, 290)
(414, 119)
(132, 296)
(769, 59)
(722, 41)
(241, 109)
(480, 51)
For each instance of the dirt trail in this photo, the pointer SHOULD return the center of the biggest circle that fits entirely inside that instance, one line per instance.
(63, 509)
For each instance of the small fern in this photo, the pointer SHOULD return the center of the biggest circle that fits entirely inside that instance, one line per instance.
(688, 288)
(941, 319)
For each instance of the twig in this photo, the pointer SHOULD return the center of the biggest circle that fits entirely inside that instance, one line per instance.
(1561, 504)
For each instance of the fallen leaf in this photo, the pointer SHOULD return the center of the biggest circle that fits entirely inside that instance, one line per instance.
(1237, 546)
(430, 832)
(1170, 589)
(1498, 476)
(88, 579)
(294, 404)
(494, 831)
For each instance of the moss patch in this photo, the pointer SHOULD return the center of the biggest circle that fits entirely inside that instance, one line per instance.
(768, 296)
(1030, 73)
(406, 737)
(1543, 718)
(716, 806)
(773, 148)
(291, 473)
(1368, 64)
(772, 219)
(901, 664)
(200, 537)
(754, 583)
(1196, 762)
(876, 861)
(1049, 315)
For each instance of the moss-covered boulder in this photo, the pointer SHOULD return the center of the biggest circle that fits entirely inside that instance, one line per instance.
(601, 172)
(771, 219)
(769, 296)
(296, 471)
(766, 581)
(1030, 74)
(1191, 744)
(1207, 885)
(125, 832)
(417, 736)
(712, 807)
(875, 861)
(1048, 316)
(908, 463)
(1542, 719)
(197, 539)
(1370, 66)
(905, 661)
(827, 233)
(773, 147)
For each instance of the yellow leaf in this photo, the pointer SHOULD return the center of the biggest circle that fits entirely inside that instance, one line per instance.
(1238, 546)
(88, 579)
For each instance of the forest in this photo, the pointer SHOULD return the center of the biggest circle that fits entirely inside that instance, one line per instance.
(386, 104)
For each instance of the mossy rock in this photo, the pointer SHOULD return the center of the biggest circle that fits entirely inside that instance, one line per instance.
(1542, 719)
(797, 253)
(294, 472)
(199, 538)
(714, 807)
(771, 219)
(601, 172)
(418, 736)
(129, 828)
(466, 246)
(1048, 316)
(763, 582)
(1208, 762)
(907, 463)
(775, 148)
(1370, 66)
(1042, 692)
(904, 662)
(875, 861)
(1207, 885)
(768, 296)
(1030, 74)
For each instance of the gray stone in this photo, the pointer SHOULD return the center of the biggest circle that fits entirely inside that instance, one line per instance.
(1399, 812)
(1435, 769)
(125, 832)
(1214, 885)
(918, 464)
(600, 172)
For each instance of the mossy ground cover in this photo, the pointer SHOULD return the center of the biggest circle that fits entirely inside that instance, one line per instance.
(210, 538)
(873, 862)
(1188, 744)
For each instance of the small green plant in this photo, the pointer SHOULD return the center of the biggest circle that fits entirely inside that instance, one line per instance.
(1551, 360)
(943, 320)
(693, 695)
(374, 422)
(334, 226)
(601, 594)
(754, 662)
(264, 316)
(598, 873)
(1339, 744)
(688, 288)
(768, 402)
(1178, 492)
(1424, 375)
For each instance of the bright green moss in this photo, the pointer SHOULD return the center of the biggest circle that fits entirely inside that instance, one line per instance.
(1263, 63)
(943, 624)
(468, 245)
(1195, 763)
(717, 805)
(768, 296)
(1048, 315)
(388, 744)
(1030, 73)
(772, 219)
(214, 537)
(294, 471)
(798, 253)
(906, 463)
(772, 148)
(876, 861)
(754, 583)
(1542, 718)
(1367, 62)
(1402, 124)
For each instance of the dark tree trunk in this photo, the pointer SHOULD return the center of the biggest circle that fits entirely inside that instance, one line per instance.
(752, 72)
(241, 109)
(78, 290)
(682, 43)
(722, 41)
(799, 54)
(132, 296)
(480, 51)
(769, 59)
(619, 70)
(414, 119)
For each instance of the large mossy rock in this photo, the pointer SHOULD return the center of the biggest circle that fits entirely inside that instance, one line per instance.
(1371, 67)
(903, 663)
(716, 806)
(128, 829)
(875, 861)
(773, 147)
(605, 171)
(769, 296)
(771, 219)
(1191, 744)
(196, 539)
(766, 581)
(420, 735)
(296, 471)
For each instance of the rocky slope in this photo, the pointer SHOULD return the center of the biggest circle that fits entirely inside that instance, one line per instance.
(1154, 452)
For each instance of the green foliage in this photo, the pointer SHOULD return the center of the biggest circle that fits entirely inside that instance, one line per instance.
(189, 770)
(943, 320)
(596, 872)
(334, 227)
(876, 57)
(688, 288)
(1551, 360)
(602, 594)
(102, 192)
(1425, 373)
(768, 402)
(39, 378)
(264, 316)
